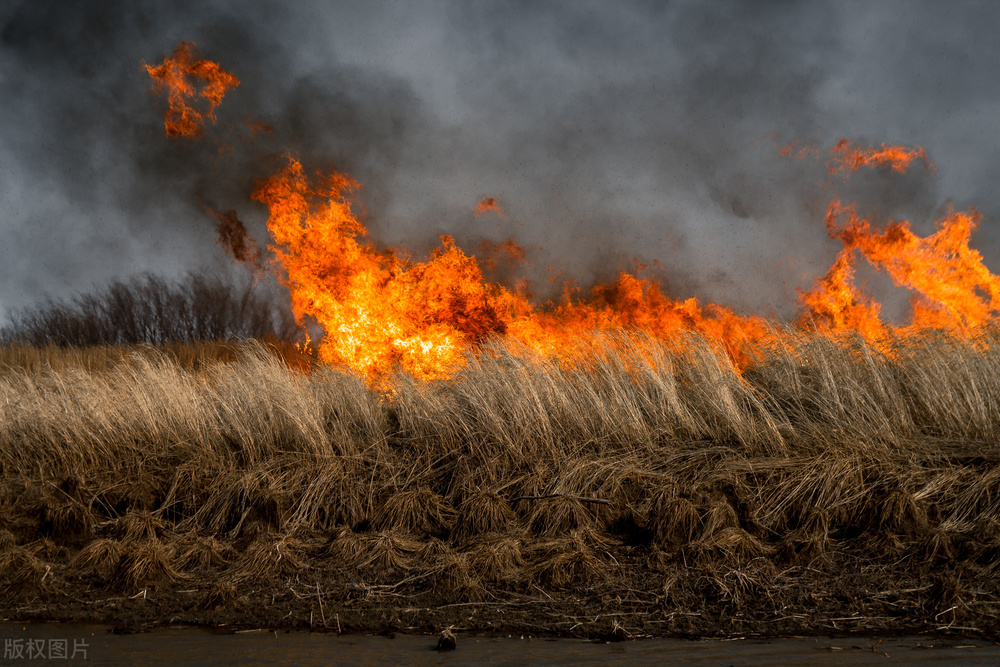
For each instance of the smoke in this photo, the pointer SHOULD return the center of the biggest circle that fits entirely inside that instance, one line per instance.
(95, 189)
(607, 131)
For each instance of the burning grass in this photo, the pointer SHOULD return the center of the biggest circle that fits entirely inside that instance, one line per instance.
(829, 480)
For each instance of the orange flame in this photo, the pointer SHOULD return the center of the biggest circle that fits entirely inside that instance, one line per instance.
(487, 205)
(848, 158)
(836, 305)
(804, 151)
(955, 289)
(258, 127)
(177, 76)
(380, 311)
(507, 251)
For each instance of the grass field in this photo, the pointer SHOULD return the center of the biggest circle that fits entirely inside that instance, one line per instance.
(627, 490)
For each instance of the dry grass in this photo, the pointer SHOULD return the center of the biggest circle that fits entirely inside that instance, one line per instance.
(145, 563)
(150, 467)
(483, 512)
(99, 558)
(497, 558)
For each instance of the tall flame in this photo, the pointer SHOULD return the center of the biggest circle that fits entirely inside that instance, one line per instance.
(953, 288)
(178, 76)
(381, 311)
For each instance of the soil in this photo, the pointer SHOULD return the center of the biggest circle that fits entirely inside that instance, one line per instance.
(834, 599)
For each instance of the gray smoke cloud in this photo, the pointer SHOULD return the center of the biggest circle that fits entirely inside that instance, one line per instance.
(608, 130)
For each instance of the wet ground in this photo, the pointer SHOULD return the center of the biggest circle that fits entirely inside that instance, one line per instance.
(38, 643)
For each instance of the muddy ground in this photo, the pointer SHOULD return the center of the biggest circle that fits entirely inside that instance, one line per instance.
(837, 597)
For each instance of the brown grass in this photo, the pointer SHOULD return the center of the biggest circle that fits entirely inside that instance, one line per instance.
(21, 571)
(483, 512)
(153, 467)
(145, 563)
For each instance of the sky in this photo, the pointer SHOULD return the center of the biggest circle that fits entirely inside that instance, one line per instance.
(610, 132)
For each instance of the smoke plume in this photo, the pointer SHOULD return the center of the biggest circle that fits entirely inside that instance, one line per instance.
(609, 132)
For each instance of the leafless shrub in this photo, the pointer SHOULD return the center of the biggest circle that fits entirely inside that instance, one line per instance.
(148, 309)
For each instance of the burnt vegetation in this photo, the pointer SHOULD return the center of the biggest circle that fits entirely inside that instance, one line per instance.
(630, 488)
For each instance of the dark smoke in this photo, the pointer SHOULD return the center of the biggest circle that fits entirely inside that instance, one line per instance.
(609, 131)
(235, 240)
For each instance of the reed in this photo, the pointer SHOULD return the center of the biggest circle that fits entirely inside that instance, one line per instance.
(221, 466)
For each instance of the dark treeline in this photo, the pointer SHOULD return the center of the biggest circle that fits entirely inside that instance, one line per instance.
(150, 309)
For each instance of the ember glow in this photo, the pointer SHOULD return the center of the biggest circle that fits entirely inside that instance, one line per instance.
(380, 311)
(850, 158)
(179, 76)
(488, 205)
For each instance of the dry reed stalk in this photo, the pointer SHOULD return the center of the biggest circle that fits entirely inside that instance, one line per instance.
(730, 546)
(420, 511)
(674, 519)
(551, 517)
(21, 572)
(136, 525)
(201, 552)
(939, 545)
(145, 563)
(7, 540)
(564, 561)
(483, 512)
(99, 558)
(433, 550)
(719, 515)
(219, 594)
(497, 558)
(453, 578)
(270, 557)
(901, 512)
(346, 547)
(383, 553)
(68, 522)
(821, 448)
(20, 562)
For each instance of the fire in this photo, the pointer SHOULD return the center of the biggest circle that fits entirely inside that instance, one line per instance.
(487, 205)
(953, 288)
(848, 158)
(258, 127)
(177, 75)
(801, 153)
(380, 311)
(508, 252)
(836, 305)
(377, 309)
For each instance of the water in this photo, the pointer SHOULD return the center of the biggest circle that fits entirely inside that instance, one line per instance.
(95, 645)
